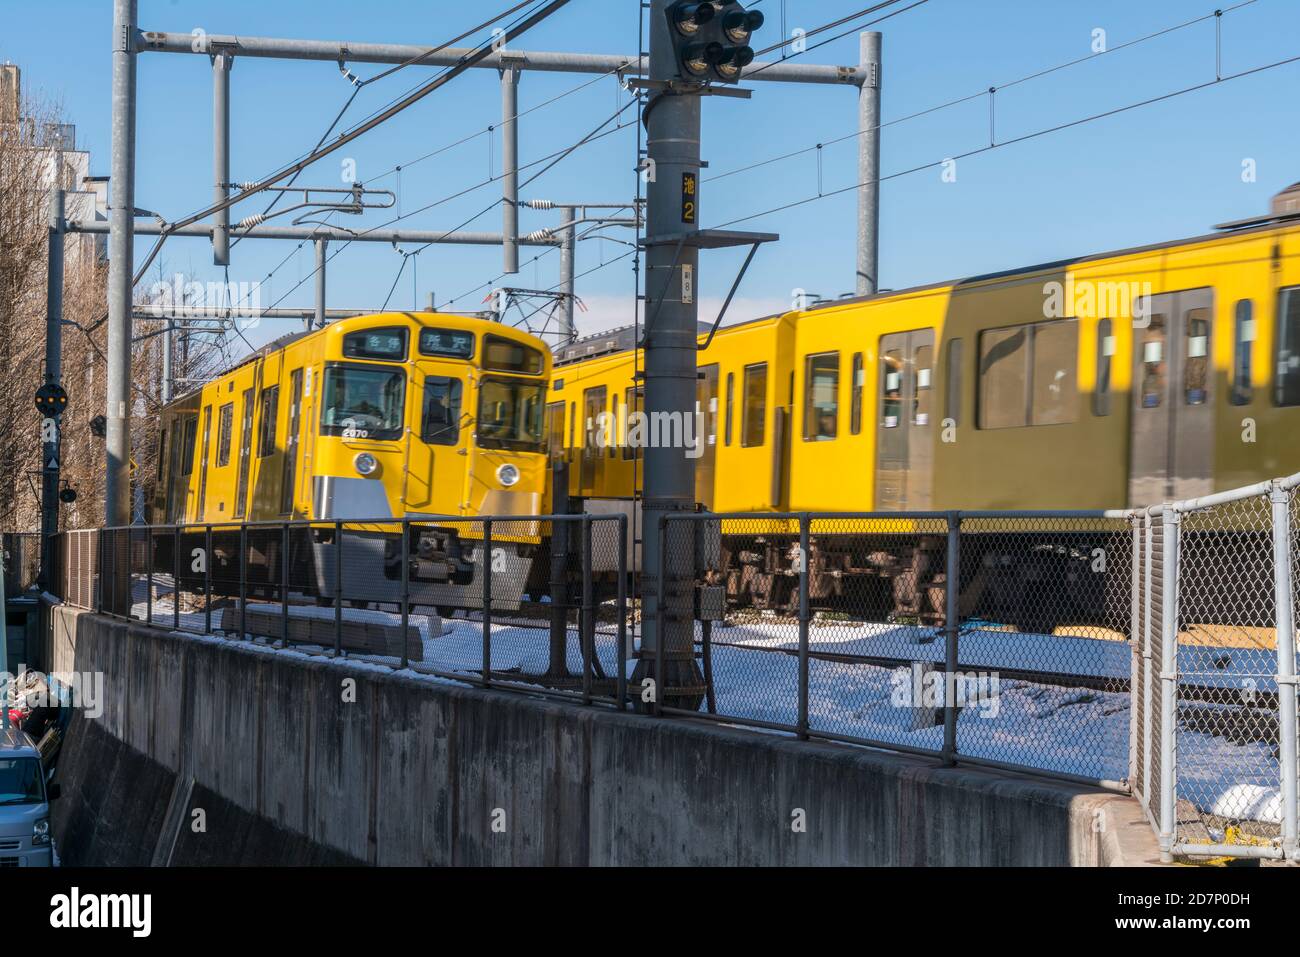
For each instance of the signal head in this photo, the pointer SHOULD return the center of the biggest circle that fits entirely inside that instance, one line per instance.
(738, 24)
(689, 17)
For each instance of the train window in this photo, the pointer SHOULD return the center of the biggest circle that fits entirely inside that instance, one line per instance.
(922, 392)
(225, 425)
(245, 454)
(510, 415)
(1287, 390)
(891, 381)
(270, 408)
(447, 343)
(363, 402)
(855, 394)
(952, 387)
(753, 413)
(162, 454)
(1243, 391)
(1105, 352)
(1003, 377)
(375, 344)
(632, 405)
(1196, 367)
(555, 430)
(731, 395)
(1152, 387)
(291, 442)
(1055, 384)
(613, 425)
(821, 397)
(506, 355)
(441, 422)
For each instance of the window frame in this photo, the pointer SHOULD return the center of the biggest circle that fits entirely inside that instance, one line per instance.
(857, 384)
(755, 369)
(400, 331)
(1029, 408)
(225, 433)
(1243, 365)
(490, 338)
(809, 361)
(419, 344)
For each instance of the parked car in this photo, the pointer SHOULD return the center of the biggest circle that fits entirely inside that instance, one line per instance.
(25, 839)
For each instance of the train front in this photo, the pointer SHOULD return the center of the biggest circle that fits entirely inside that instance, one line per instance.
(439, 419)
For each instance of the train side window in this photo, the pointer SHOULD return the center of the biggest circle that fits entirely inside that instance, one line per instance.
(952, 387)
(555, 430)
(269, 410)
(1153, 363)
(922, 392)
(441, 423)
(614, 432)
(1003, 377)
(631, 406)
(225, 426)
(1055, 350)
(188, 439)
(855, 394)
(1287, 389)
(731, 395)
(753, 411)
(1196, 367)
(1243, 389)
(1105, 352)
(821, 397)
(573, 421)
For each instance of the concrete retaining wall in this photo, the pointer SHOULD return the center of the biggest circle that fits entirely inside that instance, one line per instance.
(408, 771)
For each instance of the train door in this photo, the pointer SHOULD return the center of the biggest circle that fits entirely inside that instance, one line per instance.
(904, 427)
(203, 464)
(705, 431)
(245, 454)
(1171, 442)
(292, 442)
(434, 481)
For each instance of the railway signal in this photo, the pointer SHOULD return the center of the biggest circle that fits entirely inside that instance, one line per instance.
(711, 40)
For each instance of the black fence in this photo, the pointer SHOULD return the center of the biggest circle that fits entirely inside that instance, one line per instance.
(832, 626)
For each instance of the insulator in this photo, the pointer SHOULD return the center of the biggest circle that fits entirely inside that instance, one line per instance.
(251, 221)
(540, 204)
(539, 235)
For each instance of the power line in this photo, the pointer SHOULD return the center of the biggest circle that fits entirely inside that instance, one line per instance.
(981, 93)
(1020, 139)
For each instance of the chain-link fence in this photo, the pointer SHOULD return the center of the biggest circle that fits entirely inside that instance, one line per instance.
(1150, 650)
(1214, 758)
(538, 603)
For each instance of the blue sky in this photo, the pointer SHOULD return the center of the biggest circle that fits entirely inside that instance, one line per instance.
(1147, 175)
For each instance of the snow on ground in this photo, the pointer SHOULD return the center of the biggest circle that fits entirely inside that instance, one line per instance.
(1077, 731)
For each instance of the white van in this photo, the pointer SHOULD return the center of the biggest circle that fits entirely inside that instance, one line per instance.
(24, 803)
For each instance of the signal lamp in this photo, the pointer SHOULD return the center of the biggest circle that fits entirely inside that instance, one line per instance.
(732, 61)
(739, 24)
(508, 475)
(698, 57)
(689, 17)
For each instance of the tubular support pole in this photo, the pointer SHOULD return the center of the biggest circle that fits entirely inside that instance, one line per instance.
(117, 495)
(1168, 681)
(50, 451)
(951, 632)
(804, 621)
(322, 247)
(620, 679)
(221, 64)
(1286, 666)
(406, 588)
(486, 562)
(510, 164)
(338, 588)
(568, 242)
(869, 165)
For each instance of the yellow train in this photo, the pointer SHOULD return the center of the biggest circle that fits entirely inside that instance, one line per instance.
(419, 415)
(1122, 379)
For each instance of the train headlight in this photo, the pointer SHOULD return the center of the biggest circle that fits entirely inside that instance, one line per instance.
(366, 464)
(508, 475)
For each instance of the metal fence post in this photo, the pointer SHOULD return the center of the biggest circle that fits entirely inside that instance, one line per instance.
(486, 562)
(951, 631)
(338, 588)
(1135, 650)
(804, 617)
(176, 579)
(1286, 676)
(284, 584)
(98, 577)
(620, 680)
(406, 588)
(661, 659)
(587, 621)
(243, 582)
(1172, 520)
(207, 579)
(1148, 664)
(148, 581)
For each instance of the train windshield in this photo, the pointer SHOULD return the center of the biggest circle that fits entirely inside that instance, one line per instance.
(363, 402)
(510, 415)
